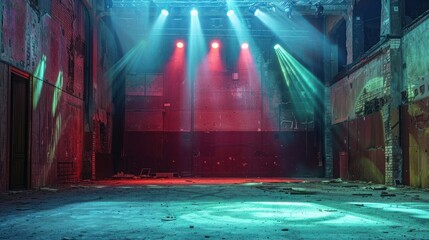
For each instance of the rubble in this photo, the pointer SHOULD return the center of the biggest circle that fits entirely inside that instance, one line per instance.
(338, 180)
(362, 194)
(176, 209)
(168, 218)
(386, 194)
(48, 189)
(301, 191)
(122, 175)
(377, 187)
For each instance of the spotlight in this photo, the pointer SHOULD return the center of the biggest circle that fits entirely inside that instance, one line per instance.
(215, 45)
(287, 7)
(230, 13)
(244, 45)
(257, 12)
(194, 12)
(180, 44)
(252, 9)
(164, 12)
(271, 7)
(277, 46)
(288, 11)
(289, 14)
(319, 9)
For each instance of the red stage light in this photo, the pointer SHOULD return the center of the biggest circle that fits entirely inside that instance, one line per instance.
(180, 44)
(245, 46)
(215, 44)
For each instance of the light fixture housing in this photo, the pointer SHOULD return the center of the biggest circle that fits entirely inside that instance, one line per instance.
(215, 44)
(252, 9)
(319, 9)
(194, 12)
(165, 12)
(180, 44)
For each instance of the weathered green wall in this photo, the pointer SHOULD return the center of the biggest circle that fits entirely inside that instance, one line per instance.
(353, 95)
(416, 119)
(416, 61)
(367, 89)
(356, 103)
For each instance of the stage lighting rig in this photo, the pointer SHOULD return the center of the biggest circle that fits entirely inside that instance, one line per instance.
(319, 9)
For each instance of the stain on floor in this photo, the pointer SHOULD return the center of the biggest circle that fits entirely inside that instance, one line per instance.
(191, 208)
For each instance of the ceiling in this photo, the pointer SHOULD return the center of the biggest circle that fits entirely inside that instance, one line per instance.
(331, 7)
(129, 17)
(236, 2)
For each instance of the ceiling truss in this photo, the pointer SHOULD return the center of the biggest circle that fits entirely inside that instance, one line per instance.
(305, 7)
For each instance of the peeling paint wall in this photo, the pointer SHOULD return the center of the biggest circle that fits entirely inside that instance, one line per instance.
(358, 149)
(416, 62)
(21, 35)
(102, 123)
(50, 48)
(361, 92)
(369, 90)
(415, 143)
(357, 101)
(416, 92)
(366, 144)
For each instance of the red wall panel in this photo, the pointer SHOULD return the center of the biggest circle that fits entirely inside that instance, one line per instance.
(212, 124)
(223, 154)
(362, 140)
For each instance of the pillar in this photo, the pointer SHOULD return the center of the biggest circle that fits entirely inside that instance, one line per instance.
(391, 30)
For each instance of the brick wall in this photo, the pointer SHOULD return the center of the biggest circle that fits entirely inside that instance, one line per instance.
(415, 93)
(48, 47)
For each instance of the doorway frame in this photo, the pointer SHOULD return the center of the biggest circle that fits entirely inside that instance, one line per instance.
(22, 74)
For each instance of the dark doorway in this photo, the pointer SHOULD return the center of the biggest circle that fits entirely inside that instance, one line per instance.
(19, 132)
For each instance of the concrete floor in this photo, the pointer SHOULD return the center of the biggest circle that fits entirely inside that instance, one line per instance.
(216, 209)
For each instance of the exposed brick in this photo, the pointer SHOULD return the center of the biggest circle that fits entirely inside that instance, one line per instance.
(329, 160)
(57, 126)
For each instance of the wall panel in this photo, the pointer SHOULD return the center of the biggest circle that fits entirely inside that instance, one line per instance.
(50, 48)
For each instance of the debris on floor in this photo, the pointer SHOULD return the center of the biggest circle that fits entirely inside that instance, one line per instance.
(338, 180)
(198, 208)
(362, 194)
(121, 175)
(168, 218)
(377, 187)
(48, 189)
(302, 191)
(386, 194)
(347, 185)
